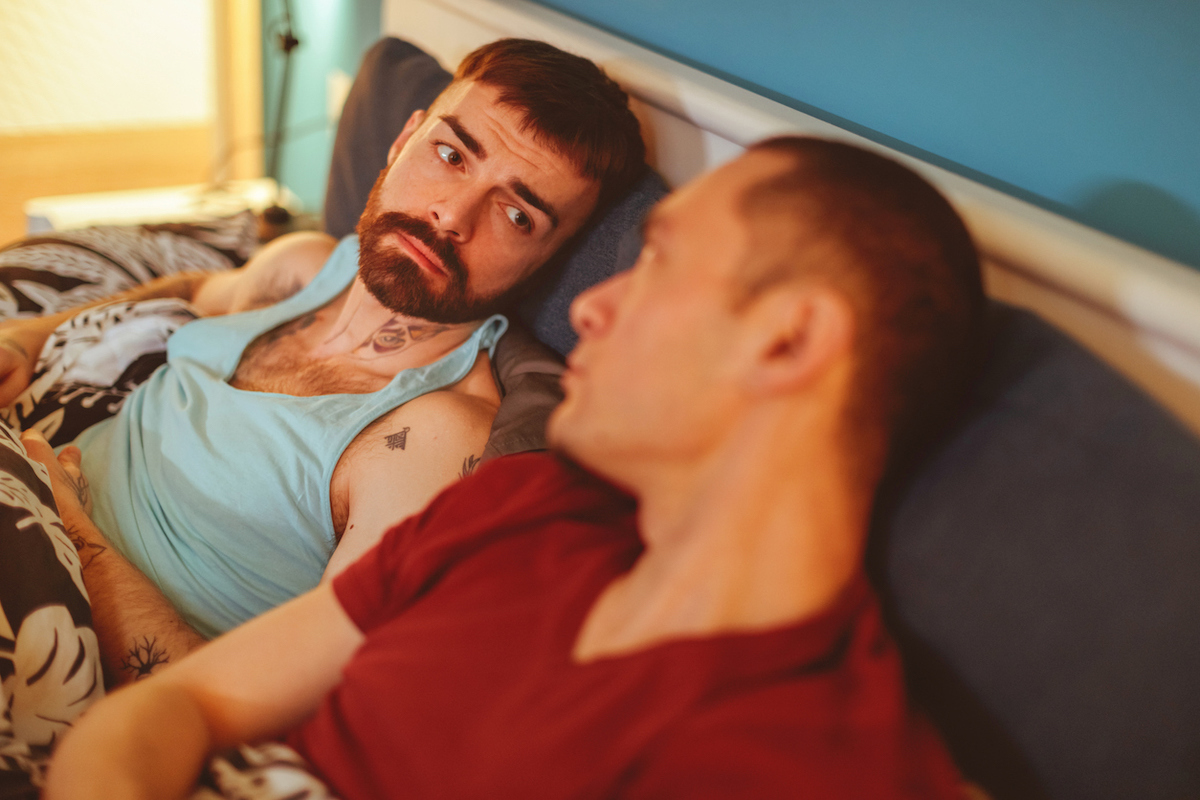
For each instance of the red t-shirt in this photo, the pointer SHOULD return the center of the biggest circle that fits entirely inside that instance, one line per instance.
(465, 687)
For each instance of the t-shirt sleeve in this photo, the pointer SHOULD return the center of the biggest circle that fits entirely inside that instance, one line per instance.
(371, 590)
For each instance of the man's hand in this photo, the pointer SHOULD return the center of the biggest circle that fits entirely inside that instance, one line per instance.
(71, 492)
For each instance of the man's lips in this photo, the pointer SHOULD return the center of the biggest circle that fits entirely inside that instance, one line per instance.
(421, 254)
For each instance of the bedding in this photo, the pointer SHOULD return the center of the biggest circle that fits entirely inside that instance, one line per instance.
(55, 271)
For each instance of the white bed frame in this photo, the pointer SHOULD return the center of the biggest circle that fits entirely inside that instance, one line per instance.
(1137, 310)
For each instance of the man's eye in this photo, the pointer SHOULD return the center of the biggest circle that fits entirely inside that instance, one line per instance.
(449, 155)
(519, 218)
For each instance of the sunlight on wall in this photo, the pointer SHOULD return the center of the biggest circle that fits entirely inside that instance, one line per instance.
(95, 64)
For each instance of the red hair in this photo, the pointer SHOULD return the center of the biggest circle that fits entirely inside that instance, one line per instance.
(570, 103)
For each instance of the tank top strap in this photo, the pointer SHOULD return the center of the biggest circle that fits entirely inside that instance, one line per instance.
(446, 371)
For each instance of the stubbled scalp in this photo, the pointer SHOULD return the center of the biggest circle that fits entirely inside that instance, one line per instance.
(902, 257)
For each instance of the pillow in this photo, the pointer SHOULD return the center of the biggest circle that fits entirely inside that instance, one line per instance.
(1042, 573)
(58, 270)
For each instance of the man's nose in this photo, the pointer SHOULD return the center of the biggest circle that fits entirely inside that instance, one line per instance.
(592, 311)
(455, 215)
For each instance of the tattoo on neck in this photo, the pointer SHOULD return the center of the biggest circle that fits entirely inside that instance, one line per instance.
(143, 657)
(88, 551)
(396, 441)
(396, 335)
(469, 465)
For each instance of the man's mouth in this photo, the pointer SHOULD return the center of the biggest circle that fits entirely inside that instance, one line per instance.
(421, 254)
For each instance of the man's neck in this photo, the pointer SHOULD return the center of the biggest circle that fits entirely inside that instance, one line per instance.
(755, 536)
(367, 330)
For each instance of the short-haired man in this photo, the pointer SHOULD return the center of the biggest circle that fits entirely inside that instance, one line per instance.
(360, 383)
(795, 321)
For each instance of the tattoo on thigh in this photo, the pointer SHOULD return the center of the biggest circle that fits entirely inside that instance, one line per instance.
(396, 441)
(143, 657)
(469, 465)
(88, 551)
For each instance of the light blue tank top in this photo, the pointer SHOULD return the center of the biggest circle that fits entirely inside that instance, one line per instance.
(220, 495)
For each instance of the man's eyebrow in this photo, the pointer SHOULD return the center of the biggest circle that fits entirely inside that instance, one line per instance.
(525, 193)
(469, 141)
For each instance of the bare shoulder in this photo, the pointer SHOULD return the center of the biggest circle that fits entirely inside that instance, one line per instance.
(281, 268)
(433, 424)
(402, 461)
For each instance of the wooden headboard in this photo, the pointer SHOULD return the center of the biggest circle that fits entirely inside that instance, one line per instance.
(1137, 310)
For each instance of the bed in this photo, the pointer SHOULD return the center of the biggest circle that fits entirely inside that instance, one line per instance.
(1039, 569)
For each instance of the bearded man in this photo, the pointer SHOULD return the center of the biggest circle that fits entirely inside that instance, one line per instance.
(335, 388)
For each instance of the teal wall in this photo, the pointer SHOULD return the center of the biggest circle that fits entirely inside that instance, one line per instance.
(1090, 108)
(333, 34)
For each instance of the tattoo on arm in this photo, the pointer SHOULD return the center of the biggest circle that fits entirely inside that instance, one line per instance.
(143, 657)
(88, 551)
(82, 489)
(469, 465)
(396, 441)
(14, 346)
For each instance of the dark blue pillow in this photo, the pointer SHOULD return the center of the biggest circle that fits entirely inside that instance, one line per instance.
(1043, 575)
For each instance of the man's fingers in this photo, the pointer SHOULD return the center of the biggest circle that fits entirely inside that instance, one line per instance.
(71, 456)
(38, 448)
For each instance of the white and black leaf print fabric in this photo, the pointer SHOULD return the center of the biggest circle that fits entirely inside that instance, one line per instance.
(49, 656)
(91, 363)
(52, 272)
(269, 771)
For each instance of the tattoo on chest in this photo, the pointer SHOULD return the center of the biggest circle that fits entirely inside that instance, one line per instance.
(396, 335)
(469, 465)
(396, 441)
(286, 329)
(143, 657)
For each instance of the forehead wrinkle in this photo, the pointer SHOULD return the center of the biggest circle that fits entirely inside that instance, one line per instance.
(470, 142)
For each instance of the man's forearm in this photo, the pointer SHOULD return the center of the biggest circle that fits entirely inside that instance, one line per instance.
(139, 630)
(151, 744)
(27, 335)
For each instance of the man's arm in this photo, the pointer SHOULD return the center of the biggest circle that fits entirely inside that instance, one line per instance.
(402, 461)
(276, 272)
(138, 629)
(257, 681)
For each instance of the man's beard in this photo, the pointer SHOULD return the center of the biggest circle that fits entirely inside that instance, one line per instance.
(400, 284)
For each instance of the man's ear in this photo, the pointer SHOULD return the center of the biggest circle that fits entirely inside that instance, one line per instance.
(414, 121)
(798, 333)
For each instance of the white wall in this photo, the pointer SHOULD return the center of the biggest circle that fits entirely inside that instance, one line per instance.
(71, 65)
